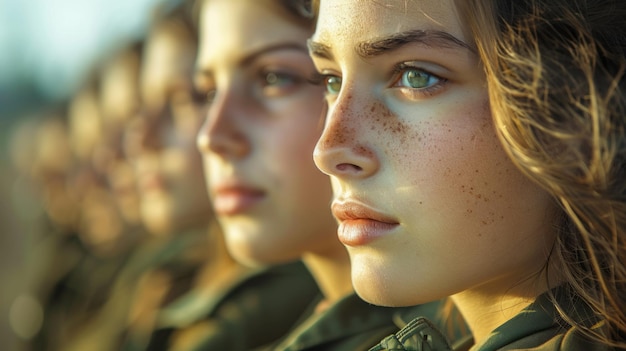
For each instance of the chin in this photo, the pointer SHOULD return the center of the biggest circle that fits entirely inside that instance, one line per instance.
(376, 285)
(372, 293)
(251, 252)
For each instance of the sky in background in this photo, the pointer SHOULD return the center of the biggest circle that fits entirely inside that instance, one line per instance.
(46, 46)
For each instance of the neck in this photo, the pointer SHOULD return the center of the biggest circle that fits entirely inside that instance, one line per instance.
(487, 307)
(219, 265)
(484, 312)
(331, 271)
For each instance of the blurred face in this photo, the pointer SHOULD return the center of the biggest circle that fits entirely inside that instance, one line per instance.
(258, 138)
(119, 94)
(162, 143)
(428, 202)
(119, 98)
(52, 163)
(85, 123)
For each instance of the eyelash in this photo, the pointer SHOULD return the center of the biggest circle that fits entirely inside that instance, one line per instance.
(322, 79)
(283, 80)
(279, 76)
(398, 73)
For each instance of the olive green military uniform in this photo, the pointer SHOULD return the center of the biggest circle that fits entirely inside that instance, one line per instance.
(538, 327)
(72, 284)
(254, 310)
(349, 324)
(109, 325)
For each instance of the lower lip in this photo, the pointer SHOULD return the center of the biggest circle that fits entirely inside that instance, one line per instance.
(236, 202)
(357, 232)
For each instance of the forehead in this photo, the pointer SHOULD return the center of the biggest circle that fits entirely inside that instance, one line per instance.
(343, 21)
(233, 29)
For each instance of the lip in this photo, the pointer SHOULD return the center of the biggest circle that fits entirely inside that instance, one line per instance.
(359, 224)
(230, 200)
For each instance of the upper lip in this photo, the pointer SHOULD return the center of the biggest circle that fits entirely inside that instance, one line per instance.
(351, 210)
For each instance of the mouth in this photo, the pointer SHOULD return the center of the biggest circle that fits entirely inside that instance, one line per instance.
(237, 199)
(360, 225)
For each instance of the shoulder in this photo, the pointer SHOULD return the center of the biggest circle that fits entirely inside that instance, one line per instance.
(569, 340)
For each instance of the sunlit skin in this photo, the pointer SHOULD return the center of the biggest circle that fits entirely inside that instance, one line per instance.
(85, 121)
(262, 125)
(119, 103)
(429, 204)
(162, 142)
(119, 93)
(100, 224)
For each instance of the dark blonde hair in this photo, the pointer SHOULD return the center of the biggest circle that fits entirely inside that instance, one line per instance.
(556, 79)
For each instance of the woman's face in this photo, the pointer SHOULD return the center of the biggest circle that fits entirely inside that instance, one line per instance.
(429, 204)
(119, 96)
(262, 125)
(162, 143)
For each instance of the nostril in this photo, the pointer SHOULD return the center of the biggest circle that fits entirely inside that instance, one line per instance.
(348, 167)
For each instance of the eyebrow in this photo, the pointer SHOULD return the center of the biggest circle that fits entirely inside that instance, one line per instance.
(320, 50)
(247, 59)
(431, 38)
(379, 46)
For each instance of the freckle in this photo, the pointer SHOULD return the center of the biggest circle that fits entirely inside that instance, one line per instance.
(473, 138)
(361, 150)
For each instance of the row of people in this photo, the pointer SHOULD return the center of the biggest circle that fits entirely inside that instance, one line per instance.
(475, 152)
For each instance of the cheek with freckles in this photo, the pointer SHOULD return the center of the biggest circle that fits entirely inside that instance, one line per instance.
(449, 161)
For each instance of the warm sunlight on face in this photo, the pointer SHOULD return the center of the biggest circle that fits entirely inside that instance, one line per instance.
(428, 201)
(168, 165)
(262, 125)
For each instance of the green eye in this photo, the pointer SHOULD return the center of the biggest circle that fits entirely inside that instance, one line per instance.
(333, 84)
(417, 79)
(276, 79)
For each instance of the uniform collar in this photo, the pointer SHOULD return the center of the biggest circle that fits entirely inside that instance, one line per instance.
(348, 317)
(538, 322)
(199, 304)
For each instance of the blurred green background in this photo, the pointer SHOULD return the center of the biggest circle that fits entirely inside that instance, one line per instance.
(46, 48)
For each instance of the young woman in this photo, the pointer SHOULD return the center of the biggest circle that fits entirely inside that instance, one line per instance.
(192, 293)
(263, 120)
(504, 189)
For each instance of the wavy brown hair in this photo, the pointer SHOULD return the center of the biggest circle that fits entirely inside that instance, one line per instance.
(556, 79)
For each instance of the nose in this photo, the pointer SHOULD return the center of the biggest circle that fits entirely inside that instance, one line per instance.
(343, 149)
(143, 134)
(221, 133)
